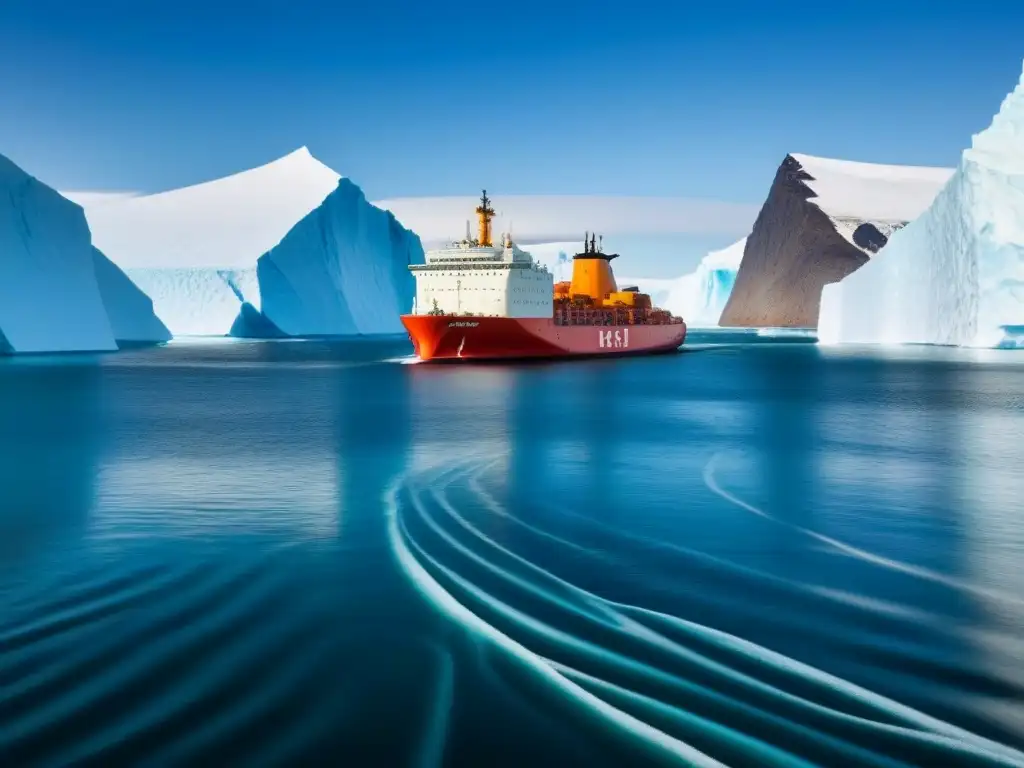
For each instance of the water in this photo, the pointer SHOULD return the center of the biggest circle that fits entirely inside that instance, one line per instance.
(756, 552)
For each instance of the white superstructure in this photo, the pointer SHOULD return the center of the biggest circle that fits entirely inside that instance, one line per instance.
(473, 277)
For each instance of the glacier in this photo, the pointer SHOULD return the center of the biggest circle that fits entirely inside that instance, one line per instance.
(700, 297)
(290, 248)
(60, 293)
(954, 275)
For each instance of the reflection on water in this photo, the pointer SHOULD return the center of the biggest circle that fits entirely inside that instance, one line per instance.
(51, 438)
(756, 553)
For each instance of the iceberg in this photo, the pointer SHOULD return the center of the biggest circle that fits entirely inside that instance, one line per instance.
(955, 275)
(286, 249)
(342, 270)
(823, 218)
(700, 296)
(60, 294)
(129, 310)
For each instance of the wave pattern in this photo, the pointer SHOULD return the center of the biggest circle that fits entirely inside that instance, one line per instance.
(219, 660)
(668, 690)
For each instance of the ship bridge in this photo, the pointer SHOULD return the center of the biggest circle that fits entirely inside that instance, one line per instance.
(477, 277)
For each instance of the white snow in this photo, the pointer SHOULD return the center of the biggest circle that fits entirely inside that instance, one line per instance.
(552, 219)
(291, 240)
(870, 191)
(700, 296)
(94, 199)
(49, 300)
(223, 224)
(956, 274)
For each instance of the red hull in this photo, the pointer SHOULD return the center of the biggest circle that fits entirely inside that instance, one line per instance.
(449, 337)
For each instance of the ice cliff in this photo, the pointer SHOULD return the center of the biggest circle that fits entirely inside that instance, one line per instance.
(129, 310)
(286, 249)
(700, 296)
(822, 219)
(955, 275)
(59, 293)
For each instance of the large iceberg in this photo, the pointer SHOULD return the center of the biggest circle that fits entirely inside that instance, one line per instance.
(59, 293)
(955, 275)
(286, 249)
(823, 218)
(700, 296)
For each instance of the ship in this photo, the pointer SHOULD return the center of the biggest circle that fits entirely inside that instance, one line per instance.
(476, 300)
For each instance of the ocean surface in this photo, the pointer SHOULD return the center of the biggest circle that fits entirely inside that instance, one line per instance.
(755, 552)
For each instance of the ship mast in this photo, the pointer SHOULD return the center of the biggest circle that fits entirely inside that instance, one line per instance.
(485, 213)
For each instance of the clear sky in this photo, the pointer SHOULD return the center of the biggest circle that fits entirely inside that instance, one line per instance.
(441, 97)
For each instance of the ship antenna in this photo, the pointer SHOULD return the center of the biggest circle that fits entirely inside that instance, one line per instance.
(586, 242)
(600, 248)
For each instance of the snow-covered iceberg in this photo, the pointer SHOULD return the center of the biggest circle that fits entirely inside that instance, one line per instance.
(823, 218)
(289, 248)
(700, 296)
(59, 293)
(955, 275)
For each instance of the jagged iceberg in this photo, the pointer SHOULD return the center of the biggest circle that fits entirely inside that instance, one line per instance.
(955, 275)
(59, 293)
(286, 249)
(700, 296)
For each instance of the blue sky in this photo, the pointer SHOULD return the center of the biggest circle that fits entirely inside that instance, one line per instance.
(435, 97)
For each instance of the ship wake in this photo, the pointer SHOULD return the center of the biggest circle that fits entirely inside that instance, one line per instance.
(667, 690)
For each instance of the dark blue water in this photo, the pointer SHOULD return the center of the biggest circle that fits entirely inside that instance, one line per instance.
(283, 553)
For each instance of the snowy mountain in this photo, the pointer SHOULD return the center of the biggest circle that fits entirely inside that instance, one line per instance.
(822, 219)
(288, 248)
(955, 275)
(59, 293)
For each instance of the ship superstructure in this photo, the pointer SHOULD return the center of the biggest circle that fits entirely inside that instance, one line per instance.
(476, 277)
(478, 300)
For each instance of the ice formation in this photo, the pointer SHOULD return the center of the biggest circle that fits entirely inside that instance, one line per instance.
(700, 296)
(357, 281)
(129, 310)
(822, 219)
(60, 294)
(955, 275)
(289, 248)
